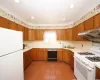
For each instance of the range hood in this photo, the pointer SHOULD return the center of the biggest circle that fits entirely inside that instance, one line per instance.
(92, 35)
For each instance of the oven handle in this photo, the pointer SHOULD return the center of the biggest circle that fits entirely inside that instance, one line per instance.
(83, 64)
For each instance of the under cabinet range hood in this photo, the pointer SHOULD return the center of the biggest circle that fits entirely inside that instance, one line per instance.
(92, 35)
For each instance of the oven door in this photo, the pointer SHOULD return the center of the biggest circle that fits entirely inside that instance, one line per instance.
(82, 71)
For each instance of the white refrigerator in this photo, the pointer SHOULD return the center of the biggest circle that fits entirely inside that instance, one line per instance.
(11, 55)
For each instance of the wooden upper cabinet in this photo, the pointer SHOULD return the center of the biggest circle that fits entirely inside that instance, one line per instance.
(75, 31)
(25, 33)
(31, 34)
(61, 34)
(39, 34)
(64, 34)
(13, 26)
(4, 23)
(68, 34)
(97, 20)
(42, 54)
(58, 35)
(89, 24)
(79, 28)
(20, 28)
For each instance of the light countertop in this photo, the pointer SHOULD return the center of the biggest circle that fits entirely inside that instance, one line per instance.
(97, 64)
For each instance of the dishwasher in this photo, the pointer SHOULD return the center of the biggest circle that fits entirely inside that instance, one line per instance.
(52, 54)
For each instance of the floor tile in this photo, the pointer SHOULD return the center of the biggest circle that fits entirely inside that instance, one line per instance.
(43, 70)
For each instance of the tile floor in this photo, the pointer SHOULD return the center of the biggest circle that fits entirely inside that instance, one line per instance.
(49, 71)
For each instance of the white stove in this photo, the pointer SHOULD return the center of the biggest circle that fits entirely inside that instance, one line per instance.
(84, 68)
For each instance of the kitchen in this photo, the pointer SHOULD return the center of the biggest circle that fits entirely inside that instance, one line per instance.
(53, 42)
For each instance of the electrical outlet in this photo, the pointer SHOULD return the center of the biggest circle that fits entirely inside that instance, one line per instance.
(82, 45)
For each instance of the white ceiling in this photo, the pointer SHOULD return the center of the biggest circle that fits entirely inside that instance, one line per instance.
(49, 12)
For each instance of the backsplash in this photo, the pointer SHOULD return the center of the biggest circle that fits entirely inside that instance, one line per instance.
(59, 44)
(93, 12)
(96, 44)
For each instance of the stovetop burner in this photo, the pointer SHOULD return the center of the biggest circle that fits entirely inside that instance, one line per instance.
(85, 53)
(94, 59)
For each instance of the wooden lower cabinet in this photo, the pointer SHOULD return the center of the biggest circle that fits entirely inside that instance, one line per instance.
(71, 59)
(27, 58)
(97, 73)
(60, 55)
(39, 54)
(66, 56)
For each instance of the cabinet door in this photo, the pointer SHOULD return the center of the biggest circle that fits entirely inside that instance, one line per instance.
(79, 28)
(13, 26)
(39, 54)
(71, 59)
(25, 33)
(42, 54)
(66, 57)
(59, 55)
(27, 58)
(89, 24)
(4, 23)
(39, 34)
(97, 21)
(97, 73)
(31, 34)
(68, 34)
(34, 54)
(75, 33)
(58, 35)
(20, 28)
(61, 34)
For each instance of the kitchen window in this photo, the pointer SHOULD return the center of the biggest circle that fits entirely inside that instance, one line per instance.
(50, 36)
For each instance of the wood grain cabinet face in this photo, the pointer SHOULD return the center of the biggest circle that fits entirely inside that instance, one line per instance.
(13, 26)
(25, 33)
(64, 34)
(71, 59)
(20, 28)
(68, 34)
(4, 23)
(31, 35)
(39, 54)
(97, 73)
(27, 58)
(89, 24)
(59, 55)
(68, 58)
(42, 54)
(97, 21)
(34, 54)
(60, 34)
(79, 28)
(39, 34)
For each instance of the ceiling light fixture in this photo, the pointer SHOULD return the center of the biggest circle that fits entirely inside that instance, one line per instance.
(32, 17)
(17, 1)
(64, 19)
(72, 6)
